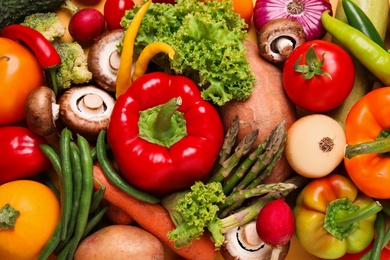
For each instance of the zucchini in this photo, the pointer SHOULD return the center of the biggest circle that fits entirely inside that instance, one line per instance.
(14, 11)
(378, 12)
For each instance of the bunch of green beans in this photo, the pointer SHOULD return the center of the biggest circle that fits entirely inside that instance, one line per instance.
(81, 209)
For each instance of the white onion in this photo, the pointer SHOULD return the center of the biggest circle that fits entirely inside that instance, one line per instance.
(306, 12)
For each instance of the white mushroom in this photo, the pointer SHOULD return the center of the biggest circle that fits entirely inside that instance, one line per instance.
(41, 111)
(243, 243)
(278, 38)
(104, 59)
(86, 110)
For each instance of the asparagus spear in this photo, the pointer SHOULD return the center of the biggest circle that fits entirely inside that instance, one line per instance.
(249, 213)
(242, 149)
(272, 154)
(256, 191)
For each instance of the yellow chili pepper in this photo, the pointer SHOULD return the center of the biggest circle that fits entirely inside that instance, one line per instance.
(148, 53)
(123, 79)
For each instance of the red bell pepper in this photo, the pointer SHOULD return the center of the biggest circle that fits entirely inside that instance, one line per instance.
(20, 155)
(163, 135)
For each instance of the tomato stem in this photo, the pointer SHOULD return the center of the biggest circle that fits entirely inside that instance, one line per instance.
(8, 216)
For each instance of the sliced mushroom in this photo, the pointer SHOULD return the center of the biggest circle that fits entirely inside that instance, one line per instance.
(278, 38)
(86, 110)
(104, 59)
(41, 111)
(243, 243)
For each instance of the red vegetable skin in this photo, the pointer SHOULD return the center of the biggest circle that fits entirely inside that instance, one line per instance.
(87, 25)
(20, 155)
(114, 10)
(275, 225)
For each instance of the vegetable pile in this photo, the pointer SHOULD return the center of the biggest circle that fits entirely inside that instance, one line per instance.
(209, 128)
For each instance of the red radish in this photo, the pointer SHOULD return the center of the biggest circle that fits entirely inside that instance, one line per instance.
(87, 25)
(275, 225)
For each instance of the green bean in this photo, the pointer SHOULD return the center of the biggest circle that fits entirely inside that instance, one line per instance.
(52, 155)
(94, 220)
(113, 176)
(86, 194)
(67, 178)
(48, 182)
(380, 227)
(52, 243)
(77, 187)
(97, 197)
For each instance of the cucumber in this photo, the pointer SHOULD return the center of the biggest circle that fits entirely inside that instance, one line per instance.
(377, 11)
(14, 11)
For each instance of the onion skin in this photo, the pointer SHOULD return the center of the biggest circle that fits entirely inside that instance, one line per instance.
(309, 17)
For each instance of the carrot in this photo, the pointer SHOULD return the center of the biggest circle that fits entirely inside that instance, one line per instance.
(118, 216)
(155, 219)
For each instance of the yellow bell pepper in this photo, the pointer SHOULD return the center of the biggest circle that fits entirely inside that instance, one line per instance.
(334, 218)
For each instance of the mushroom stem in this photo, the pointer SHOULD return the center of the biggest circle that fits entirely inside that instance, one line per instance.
(92, 103)
(114, 61)
(283, 45)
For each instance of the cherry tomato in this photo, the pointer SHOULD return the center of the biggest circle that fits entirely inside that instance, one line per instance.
(114, 10)
(244, 8)
(318, 75)
(20, 73)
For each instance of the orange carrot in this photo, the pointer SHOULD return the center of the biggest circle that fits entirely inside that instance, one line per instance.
(118, 216)
(155, 219)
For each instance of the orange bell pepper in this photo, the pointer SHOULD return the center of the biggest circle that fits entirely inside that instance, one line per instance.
(367, 131)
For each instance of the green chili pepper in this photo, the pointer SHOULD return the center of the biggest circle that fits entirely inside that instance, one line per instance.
(370, 54)
(358, 19)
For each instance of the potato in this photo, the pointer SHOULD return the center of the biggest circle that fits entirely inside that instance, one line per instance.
(120, 242)
(266, 107)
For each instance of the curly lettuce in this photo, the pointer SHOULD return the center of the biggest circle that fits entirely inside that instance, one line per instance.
(208, 40)
(194, 210)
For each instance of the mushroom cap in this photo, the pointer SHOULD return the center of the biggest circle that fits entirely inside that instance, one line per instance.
(275, 31)
(41, 111)
(104, 59)
(86, 110)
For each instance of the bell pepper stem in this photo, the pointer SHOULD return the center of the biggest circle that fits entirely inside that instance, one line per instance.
(377, 146)
(342, 217)
(8, 216)
(360, 214)
(163, 123)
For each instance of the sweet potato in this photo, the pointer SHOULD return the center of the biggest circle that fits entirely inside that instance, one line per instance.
(266, 107)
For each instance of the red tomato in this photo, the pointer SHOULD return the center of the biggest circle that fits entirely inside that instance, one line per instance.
(330, 75)
(20, 73)
(114, 10)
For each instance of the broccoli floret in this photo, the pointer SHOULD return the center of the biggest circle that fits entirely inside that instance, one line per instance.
(48, 24)
(74, 66)
(195, 210)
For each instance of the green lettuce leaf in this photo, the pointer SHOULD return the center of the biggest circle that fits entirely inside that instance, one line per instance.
(208, 40)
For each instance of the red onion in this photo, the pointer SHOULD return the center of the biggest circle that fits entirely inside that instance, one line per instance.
(306, 12)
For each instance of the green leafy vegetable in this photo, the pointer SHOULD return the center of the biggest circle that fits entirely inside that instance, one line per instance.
(208, 40)
(193, 210)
